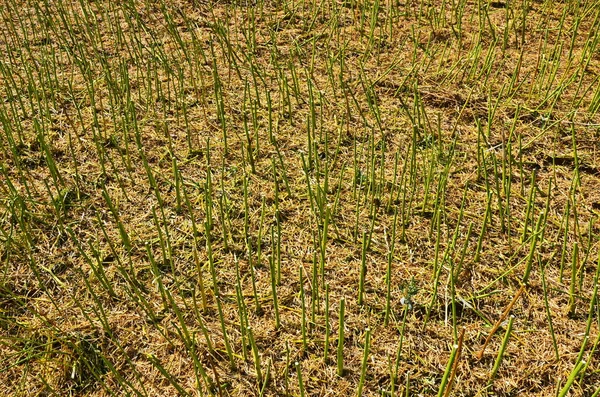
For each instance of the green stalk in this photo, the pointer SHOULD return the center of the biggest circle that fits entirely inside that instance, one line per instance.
(363, 370)
(448, 371)
(224, 330)
(274, 291)
(486, 217)
(566, 217)
(363, 271)
(502, 350)
(388, 273)
(241, 309)
(530, 206)
(573, 278)
(300, 381)
(303, 303)
(548, 313)
(578, 367)
(327, 326)
(257, 366)
(340, 347)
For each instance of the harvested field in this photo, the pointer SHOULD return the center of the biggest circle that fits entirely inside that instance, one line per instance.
(299, 198)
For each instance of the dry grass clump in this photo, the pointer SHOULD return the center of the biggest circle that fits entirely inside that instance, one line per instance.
(190, 190)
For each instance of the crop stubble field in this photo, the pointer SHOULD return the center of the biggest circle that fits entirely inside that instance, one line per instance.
(190, 191)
